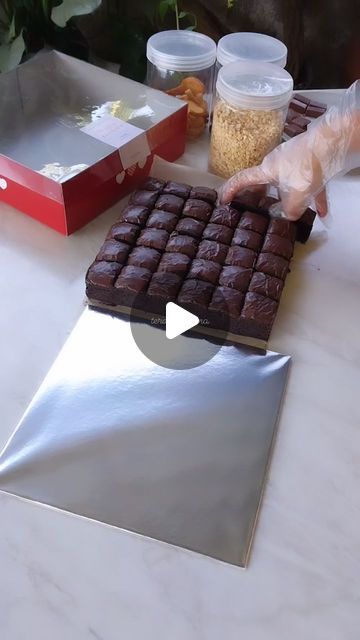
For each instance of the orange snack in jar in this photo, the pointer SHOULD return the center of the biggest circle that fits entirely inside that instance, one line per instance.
(192, 90)
(182, 63)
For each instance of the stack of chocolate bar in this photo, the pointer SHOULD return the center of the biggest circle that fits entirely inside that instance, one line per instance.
(299, 112)
(227, 264)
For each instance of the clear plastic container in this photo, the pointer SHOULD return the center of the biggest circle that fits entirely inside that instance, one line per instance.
(182, 64)
(249, 114)
(256, 47)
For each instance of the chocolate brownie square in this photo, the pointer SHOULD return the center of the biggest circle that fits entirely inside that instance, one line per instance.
(164, 285)
(210, 250)
(272, 265)
(134, 215)
(144, 198)
(206, 270)
(144, 257)
(227, 300)
(240, 257)
(304, 225)
(247, 198)
(125, 232)
(103, 274)
(259, 308)
(134, 279)
(197, 209)
(153, 238)
(113, 251)
(190, 227)
(153, 184)
(282, 227)
(175, 263)
(177, 189)
(266, 202)
(167, 202)
(218, 232)
(254, 222)
(278, 246)
(266, 285)
(204, 193)
(225, 215)
(195, 293)
(248, 239)
(182, 244)
(235, 277)
(162, 220)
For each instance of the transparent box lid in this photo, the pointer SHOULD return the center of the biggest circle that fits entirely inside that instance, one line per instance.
(46, 103)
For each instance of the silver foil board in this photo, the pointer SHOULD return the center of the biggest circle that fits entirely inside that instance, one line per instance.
(176, 455)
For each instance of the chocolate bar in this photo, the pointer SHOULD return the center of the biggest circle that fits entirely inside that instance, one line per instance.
(292, 130)
(301, 106)
(224, 263)
(306, 106)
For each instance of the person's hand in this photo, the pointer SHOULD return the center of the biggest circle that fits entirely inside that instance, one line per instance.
(301, 167)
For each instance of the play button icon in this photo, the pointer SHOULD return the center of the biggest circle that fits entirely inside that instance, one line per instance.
(165, 337)
(178, 320)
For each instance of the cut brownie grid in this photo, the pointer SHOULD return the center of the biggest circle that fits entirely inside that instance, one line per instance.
(171, 243)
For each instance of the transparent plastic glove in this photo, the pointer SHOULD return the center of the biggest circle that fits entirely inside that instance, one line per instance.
(301, 167)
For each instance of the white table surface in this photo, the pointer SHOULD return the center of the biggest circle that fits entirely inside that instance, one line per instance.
(63, 577)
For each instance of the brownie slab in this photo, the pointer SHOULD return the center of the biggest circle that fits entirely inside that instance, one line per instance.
(225, 263)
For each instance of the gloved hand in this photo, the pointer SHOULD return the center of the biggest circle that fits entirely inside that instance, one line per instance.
(301, 167)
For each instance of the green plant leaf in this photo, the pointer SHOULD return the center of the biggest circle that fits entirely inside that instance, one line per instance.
(11, 53)
(163, 9)
(183, 14)
(69, 8)
(164, 6)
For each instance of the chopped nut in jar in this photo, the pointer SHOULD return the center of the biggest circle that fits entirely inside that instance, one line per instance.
(252, 98)
(241, 138)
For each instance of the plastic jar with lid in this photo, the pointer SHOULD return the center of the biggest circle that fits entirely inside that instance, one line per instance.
(256, 47)
(182, 63)
(249, 114)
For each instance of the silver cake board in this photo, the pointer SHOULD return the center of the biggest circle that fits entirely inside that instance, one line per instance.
(178, 455)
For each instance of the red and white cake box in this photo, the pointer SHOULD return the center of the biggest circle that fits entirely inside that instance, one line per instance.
(74, 138)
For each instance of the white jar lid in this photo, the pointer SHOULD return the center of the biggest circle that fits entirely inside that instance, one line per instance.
(254, 85)
(181, 50)
(251, 46)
